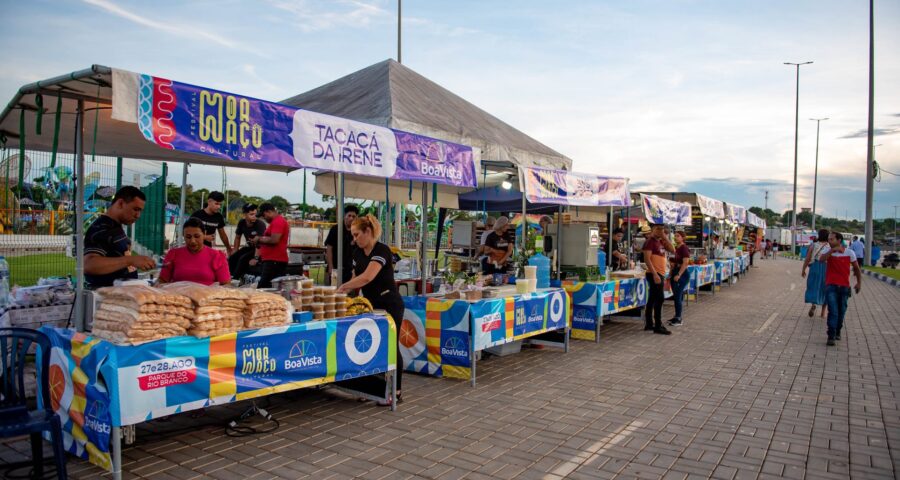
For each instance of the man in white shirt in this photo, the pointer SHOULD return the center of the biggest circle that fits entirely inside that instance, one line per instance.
(858, 247)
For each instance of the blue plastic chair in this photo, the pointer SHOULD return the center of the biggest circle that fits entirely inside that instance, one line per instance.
(15, 417)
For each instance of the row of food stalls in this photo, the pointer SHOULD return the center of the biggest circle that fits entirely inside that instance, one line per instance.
(405, 151)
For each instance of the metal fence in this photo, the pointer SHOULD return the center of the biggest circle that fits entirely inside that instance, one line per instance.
(37, 215)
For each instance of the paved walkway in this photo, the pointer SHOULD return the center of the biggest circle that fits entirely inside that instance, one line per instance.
(745, 389)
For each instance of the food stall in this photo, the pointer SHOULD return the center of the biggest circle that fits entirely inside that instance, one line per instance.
(735, 221)
(100, 388)
(625, 290)
(156, 118)
(443, 337)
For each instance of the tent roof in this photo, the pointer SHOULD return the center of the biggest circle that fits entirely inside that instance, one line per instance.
(392, 95)
(497, 199)
(114, 138)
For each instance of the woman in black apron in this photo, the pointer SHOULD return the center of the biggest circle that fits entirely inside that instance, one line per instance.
(373, 273)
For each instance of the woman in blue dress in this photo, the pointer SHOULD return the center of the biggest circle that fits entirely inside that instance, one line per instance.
(815, 281)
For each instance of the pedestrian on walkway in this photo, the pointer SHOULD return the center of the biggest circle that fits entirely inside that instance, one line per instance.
(654, 251)
(815, 282)
(838, 260)
(774, 250)
(858, 247)
(680, 277)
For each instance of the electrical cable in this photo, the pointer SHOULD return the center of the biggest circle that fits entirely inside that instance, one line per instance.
(237, 428)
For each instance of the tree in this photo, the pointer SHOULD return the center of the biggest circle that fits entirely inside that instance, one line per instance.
(280, 203)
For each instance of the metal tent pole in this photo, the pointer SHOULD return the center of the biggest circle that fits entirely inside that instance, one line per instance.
(79, 217)
(339, 215)
(423, 239)
(558, 244)
(181, 203)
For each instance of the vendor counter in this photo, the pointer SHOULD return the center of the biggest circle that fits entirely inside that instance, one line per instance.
(100, 389)
(700, 276)
(594, 300)
(441, 337)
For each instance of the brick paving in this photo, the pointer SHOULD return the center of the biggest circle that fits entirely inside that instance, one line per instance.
(745, 389)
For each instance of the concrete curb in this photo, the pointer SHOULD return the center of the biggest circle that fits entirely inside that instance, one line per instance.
(884, 278)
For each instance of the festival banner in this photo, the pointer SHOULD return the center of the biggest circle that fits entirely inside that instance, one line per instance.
(711, 207)
(434, 337)
(736, 214)
(700, 275)
(585, 308)
(188, 118)
(724, 271)
(560, 187)
(95, 385)
(668, 212)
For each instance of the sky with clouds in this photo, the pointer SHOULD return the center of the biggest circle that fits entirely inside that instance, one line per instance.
(685, 95)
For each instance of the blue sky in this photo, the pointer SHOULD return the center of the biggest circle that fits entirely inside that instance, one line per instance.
(676, 95)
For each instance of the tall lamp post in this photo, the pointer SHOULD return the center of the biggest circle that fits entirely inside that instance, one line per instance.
(796, 137)
(816, 174)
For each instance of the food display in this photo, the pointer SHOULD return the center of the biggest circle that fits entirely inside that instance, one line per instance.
(217, 310)
(264, 309)
(358, 306)
(138, 313)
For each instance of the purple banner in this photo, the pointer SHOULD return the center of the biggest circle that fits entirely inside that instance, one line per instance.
(246, 130)
(560, 187)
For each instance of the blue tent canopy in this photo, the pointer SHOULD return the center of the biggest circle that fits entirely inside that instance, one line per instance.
(497, 199)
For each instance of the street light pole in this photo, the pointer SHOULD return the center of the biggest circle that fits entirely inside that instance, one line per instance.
(816, 174)
(870, 153)
(796, 137)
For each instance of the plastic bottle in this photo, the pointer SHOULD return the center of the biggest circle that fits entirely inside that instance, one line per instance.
(601, 262)
(542, 262)
(4, 282)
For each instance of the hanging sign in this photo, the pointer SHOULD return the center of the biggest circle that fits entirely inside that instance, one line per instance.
(246, 130)
(560, 187)
(711, 207)
(736, 214)
(668, 212)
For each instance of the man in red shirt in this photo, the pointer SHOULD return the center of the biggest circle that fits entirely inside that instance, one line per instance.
(273, 246)
(838, 261)
(655, 257)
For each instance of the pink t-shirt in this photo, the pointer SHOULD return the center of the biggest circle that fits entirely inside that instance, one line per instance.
(207, 266)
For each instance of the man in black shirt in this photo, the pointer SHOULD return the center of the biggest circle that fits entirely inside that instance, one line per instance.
(498, 247)
(250, 228)
(106, 246)
(618, 260)
(350, 214)
(213, 221)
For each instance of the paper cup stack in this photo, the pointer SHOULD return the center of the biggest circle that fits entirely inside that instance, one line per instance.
(531, 278)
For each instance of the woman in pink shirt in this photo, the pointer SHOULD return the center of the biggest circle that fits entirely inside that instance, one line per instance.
(195, 262)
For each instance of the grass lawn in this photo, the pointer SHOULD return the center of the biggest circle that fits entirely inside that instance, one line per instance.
(890, 272)
(26, 270)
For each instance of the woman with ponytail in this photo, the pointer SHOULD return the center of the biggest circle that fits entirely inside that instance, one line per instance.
(373, 273)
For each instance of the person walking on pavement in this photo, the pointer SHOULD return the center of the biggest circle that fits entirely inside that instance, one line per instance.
(838, 261)
(680, 277)
(654, 251)
(815, 281)
(858, 247)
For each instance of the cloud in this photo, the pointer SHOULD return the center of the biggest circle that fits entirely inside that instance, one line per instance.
(187, 31)
(345, 13)
(863, 133)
